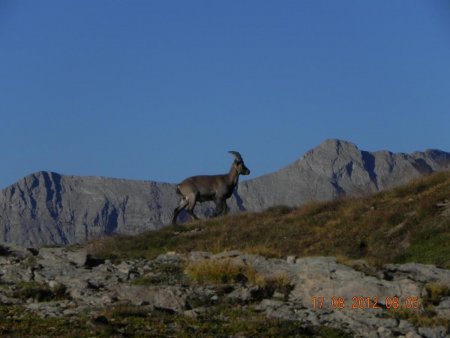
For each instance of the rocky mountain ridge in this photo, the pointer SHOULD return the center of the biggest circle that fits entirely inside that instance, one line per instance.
(47, 208)
(338, 168)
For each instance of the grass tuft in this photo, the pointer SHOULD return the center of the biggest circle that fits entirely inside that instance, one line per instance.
(39, 292)
(435, 292)
(219, 272)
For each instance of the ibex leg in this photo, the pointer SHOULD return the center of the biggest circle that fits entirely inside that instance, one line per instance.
(192, 200)
(178, 209)
(222, 207)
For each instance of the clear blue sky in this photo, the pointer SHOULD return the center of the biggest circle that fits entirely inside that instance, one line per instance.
(158, 90)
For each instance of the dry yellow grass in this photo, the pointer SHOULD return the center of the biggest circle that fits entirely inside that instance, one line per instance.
(226, 271)
(219, 271)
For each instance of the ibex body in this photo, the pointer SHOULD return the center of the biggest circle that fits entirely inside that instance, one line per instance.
(217, 188)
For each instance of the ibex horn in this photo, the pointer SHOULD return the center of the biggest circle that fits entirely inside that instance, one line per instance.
(236, 155)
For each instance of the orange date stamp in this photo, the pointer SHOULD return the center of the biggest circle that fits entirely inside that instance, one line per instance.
(362, 302)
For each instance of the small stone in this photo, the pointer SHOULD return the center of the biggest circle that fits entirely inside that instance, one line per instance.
(291, 259)
(240, 295)
(78, 257)
(433, 332)
(77, 294)
(70, 312)
(278, 295)
(384, 332)
(199, 255)
(443, 309)
(191, 314)
(53, 284)
(404, 325)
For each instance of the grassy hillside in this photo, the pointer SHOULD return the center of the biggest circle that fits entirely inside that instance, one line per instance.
(407, 224)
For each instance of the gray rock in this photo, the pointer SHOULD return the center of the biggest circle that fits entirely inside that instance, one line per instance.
(413, 334)
(82, 289)
(404, 325)
(199, 255)
(168, 298)
(47, 208)
(384, 332)
(77, 257)
(443, 308)
(291, 259)
(5, 300)
(417, 272)
(240, 295)
(433, 332)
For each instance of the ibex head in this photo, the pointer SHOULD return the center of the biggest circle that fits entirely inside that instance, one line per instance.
(238, 164)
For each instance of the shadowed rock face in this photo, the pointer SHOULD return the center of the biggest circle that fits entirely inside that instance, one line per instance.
(46, 208)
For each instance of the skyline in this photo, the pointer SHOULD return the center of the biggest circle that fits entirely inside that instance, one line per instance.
(162, 90)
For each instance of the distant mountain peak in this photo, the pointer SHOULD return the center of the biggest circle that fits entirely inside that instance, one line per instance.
(334, 143)
(335, 146)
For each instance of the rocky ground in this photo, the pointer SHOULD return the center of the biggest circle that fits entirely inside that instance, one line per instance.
(409, 300)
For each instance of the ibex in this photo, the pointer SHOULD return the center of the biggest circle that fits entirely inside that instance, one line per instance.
(217, 188)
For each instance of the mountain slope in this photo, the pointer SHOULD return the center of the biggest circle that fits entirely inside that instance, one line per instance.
(410, 223)
(50, 209)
